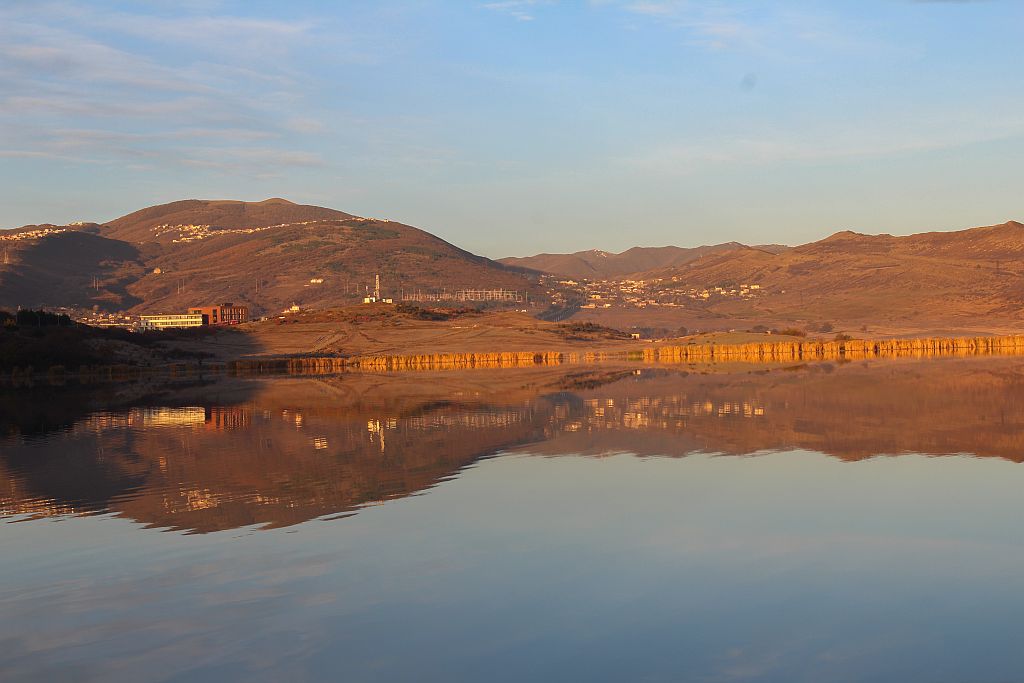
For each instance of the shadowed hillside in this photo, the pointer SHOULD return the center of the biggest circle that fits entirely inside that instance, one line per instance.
(71, 268)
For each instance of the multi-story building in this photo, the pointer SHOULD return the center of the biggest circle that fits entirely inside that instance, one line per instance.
(222, 314)
(172, 321)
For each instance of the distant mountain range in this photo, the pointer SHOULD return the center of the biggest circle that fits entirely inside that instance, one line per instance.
(603, 265)
(274, 253)
(964, 274)
(967, 279)
(266, 254)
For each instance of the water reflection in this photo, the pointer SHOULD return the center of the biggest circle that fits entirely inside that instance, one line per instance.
(281, 451)
(579, 524)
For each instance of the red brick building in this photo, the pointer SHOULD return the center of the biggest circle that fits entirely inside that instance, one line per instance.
(223, 314)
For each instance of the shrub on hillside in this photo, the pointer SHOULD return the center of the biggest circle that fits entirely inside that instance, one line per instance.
(39, 318)
(589, 331)
(437, 314)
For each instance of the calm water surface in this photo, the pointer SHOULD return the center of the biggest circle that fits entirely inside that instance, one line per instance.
(855, 522)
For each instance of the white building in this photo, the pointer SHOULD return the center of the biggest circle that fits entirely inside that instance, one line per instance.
(173, 321)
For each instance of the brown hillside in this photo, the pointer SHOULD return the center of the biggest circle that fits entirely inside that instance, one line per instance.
(264, 254)
(72, 268)
(372, 330)
(970, 279)
(602, 265)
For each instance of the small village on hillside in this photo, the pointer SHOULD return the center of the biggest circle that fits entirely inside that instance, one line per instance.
(657, 292)
(641, 293)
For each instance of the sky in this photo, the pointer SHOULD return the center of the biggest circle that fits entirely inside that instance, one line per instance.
(511, 127)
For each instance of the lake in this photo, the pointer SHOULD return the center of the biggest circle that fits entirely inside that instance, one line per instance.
(821, 522)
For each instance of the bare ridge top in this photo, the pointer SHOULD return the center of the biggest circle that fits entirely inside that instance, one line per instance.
(599, 264)
(138, 226)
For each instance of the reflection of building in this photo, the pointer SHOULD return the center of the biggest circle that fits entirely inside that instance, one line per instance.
(223, 314)
(226, 418)
(668, 412)
(376, 430)
(171, 417)
(477, 419)
(175, 320)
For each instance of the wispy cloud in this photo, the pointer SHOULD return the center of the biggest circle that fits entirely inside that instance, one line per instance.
(517, 9)
(250, 157)
(825, 144)
(710, 25)
(770, 29)
(72, 87)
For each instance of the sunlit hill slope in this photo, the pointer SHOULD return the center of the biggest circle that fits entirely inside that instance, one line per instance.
(264, 254)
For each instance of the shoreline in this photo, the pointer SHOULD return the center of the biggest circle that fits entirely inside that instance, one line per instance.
(756, 353)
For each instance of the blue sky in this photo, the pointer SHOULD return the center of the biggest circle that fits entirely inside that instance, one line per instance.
(511, 127)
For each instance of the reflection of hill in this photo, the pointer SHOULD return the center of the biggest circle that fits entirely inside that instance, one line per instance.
(282, 467)
(850, 411)
(282, 451)
(296, 450)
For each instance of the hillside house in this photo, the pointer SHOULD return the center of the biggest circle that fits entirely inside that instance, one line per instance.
(222, 314)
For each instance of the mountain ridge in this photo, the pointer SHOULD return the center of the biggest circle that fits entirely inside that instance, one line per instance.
(968, 279)
(600, 264)
(270, 254)
(267, 255)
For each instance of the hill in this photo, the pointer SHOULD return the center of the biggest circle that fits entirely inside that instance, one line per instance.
(48, 266)
(602, 265)
(969, 279)
(266, 254)
(274, 253)
(379, 329)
